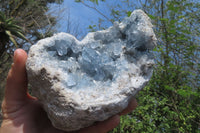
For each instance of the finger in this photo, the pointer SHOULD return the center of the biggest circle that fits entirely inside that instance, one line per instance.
(16, 86)
(131, 106)
(104, 126)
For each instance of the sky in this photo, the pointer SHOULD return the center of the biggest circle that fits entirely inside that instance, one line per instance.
(80, 15)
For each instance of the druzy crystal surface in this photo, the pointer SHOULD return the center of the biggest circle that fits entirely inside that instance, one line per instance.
(81, 82)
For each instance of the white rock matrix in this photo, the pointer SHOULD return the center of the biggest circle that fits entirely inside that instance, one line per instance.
(82, 82)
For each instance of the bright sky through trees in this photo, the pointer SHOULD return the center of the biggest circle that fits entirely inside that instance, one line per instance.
(82, 15)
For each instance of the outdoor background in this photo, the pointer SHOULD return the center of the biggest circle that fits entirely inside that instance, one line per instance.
(171, 101)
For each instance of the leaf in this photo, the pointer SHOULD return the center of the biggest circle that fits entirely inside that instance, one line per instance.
(183, 92)
(20, 35)
(169, 88)
(11, 38)
(164, 19)
(97, 2)
(172, 31)
(128, 13)
(152, 17)
(94, 1)
(77, 0)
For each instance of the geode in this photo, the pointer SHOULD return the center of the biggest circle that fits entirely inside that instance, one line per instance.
(82, 82)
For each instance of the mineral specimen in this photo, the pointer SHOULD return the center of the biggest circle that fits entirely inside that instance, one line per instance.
(81, 82)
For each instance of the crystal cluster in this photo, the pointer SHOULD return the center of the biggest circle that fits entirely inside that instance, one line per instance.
(81, 82)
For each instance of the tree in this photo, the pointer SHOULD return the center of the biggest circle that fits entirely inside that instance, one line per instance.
(32, 16)
(170, 102)
(175, 84)
(8, 32)
(29, 17)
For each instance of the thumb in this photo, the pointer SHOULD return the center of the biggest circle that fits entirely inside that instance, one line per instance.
(16, 86)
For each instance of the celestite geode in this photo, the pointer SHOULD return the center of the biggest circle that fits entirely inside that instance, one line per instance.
(81, 82)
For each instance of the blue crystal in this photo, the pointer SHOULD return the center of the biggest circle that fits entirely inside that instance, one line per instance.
(71, 81)
(61, 47)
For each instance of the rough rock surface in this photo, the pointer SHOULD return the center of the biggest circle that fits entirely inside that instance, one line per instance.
(81, 82)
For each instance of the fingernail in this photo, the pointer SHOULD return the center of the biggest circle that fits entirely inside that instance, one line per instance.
(15, 55)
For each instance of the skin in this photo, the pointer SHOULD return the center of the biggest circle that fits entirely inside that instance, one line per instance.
(22, 113)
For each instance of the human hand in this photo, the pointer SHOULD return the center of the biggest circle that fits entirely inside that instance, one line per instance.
(23, 113)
